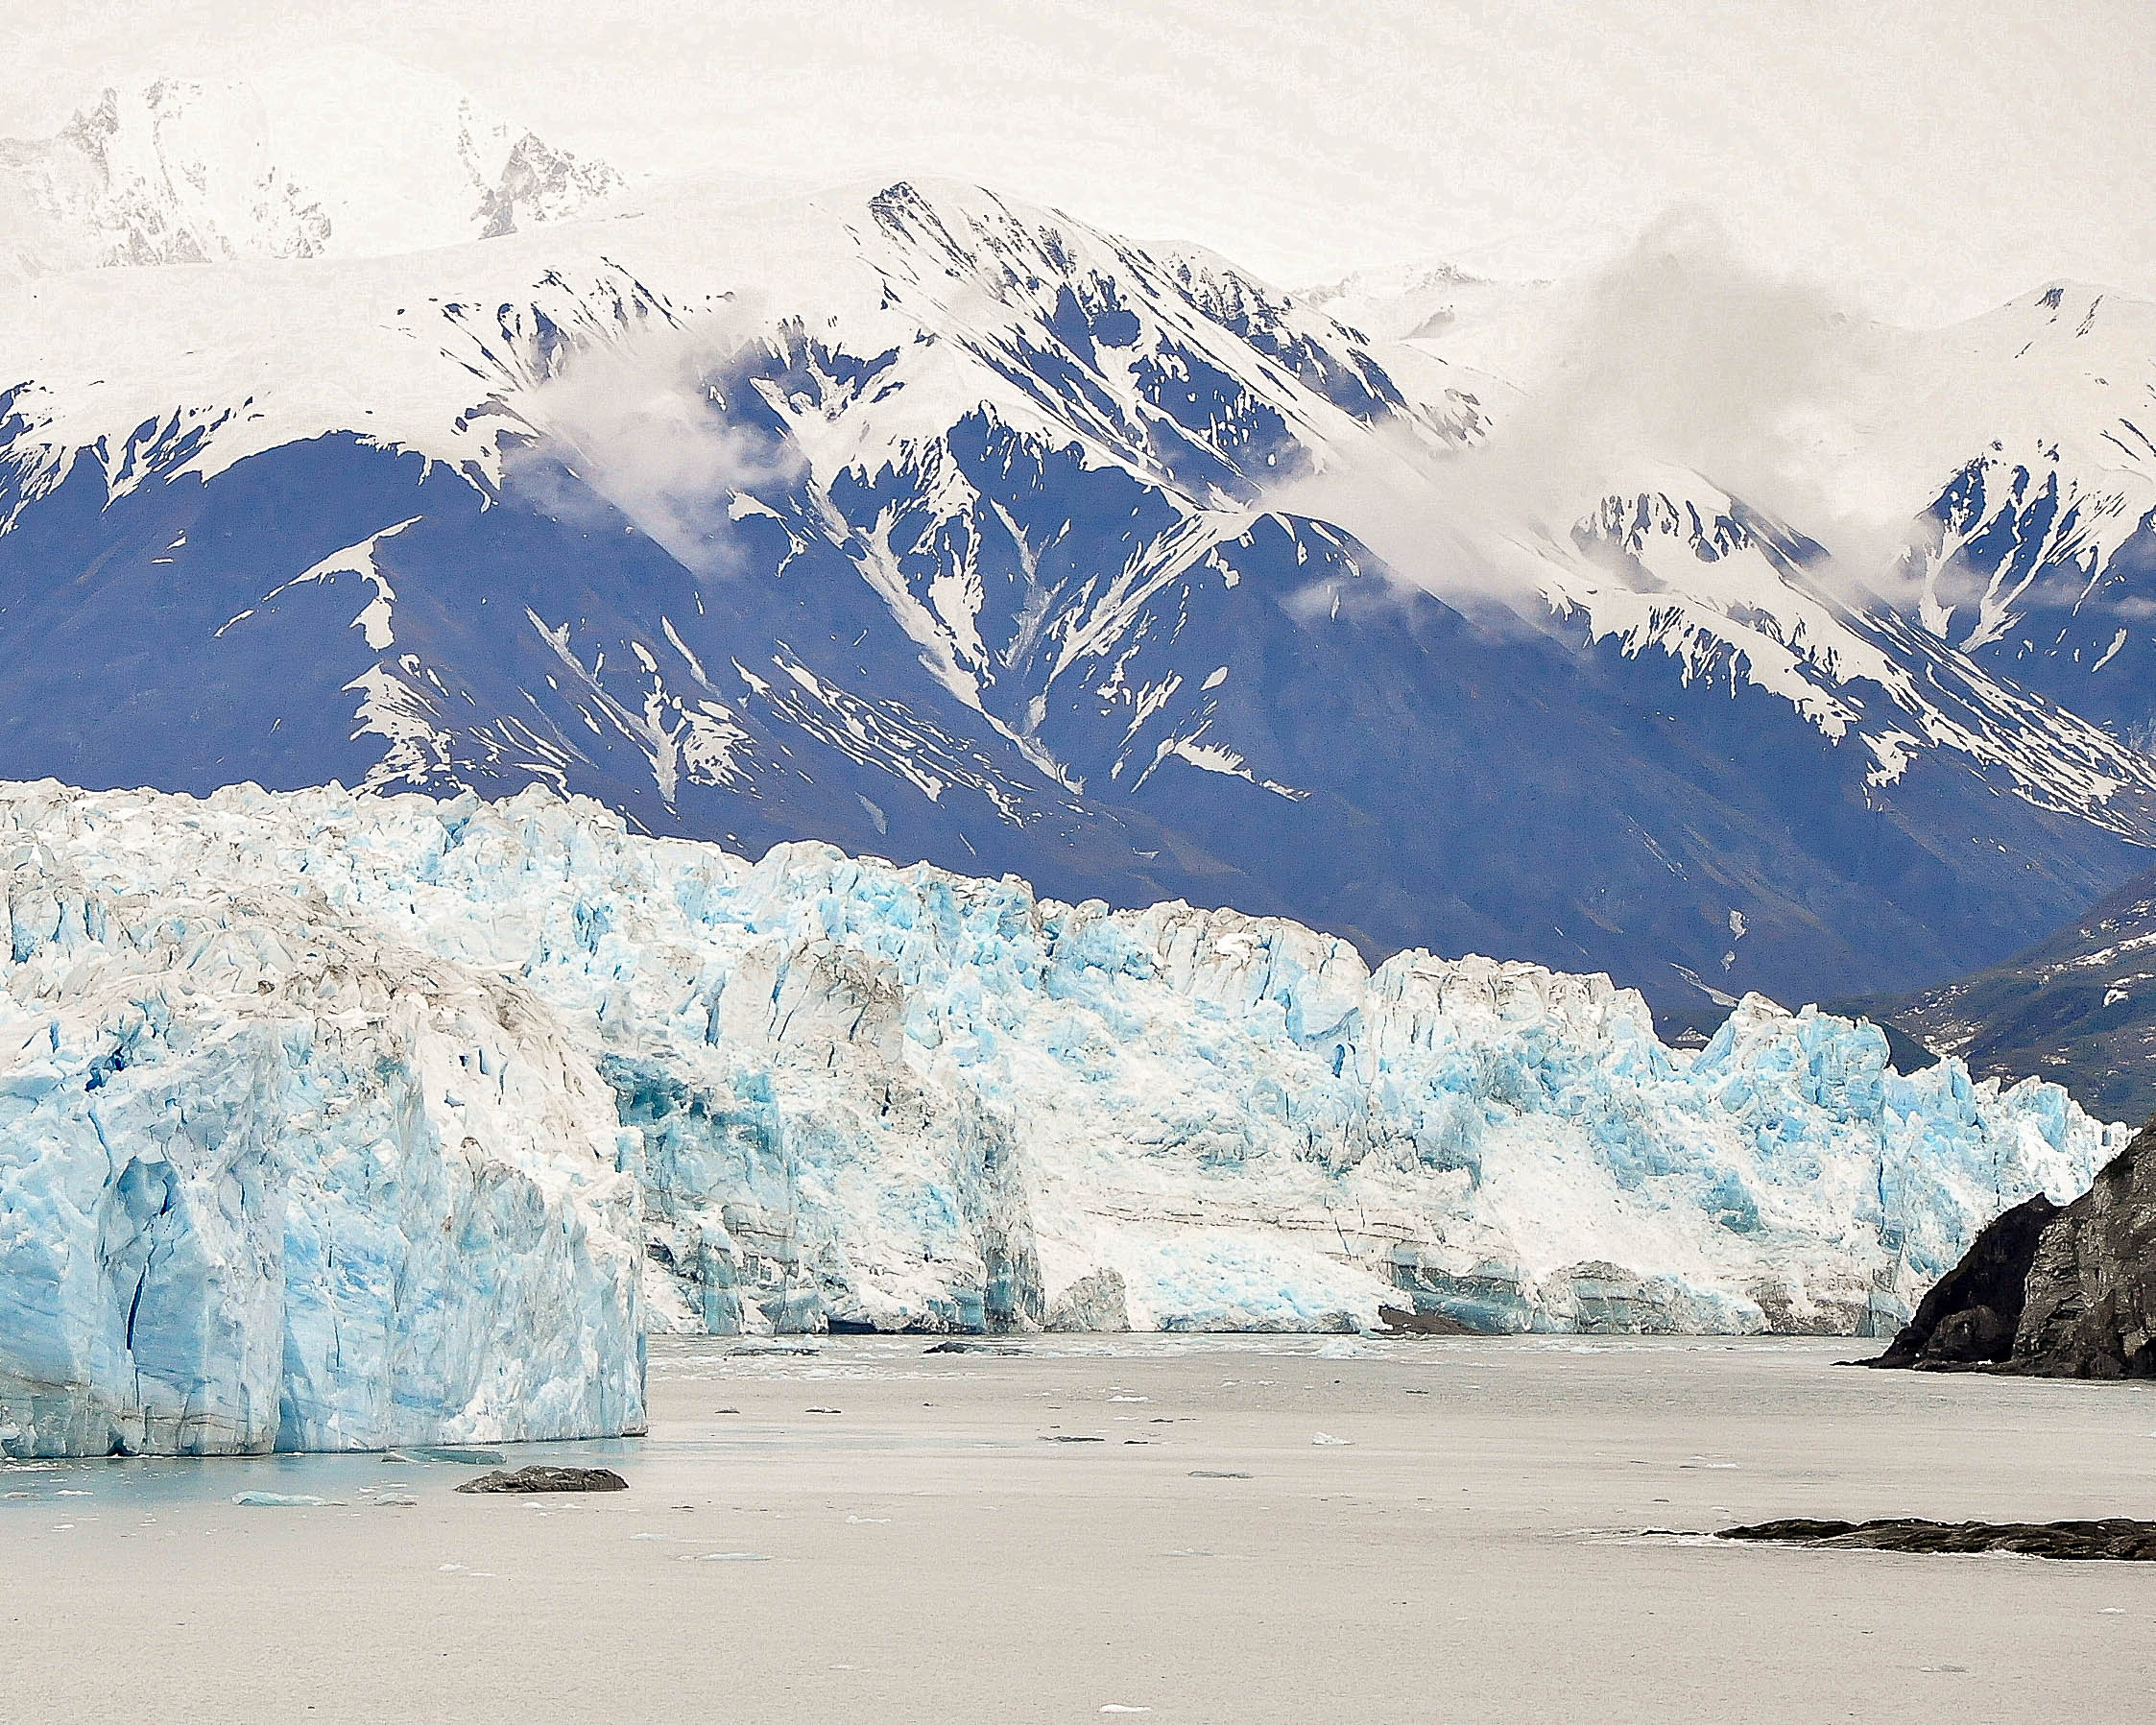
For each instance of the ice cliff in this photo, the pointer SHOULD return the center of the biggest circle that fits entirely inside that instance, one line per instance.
(321, 1116)
(268, 1179)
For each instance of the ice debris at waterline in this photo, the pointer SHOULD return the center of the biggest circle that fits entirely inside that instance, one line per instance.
(312, 1106)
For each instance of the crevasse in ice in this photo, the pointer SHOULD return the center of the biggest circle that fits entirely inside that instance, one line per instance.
(319, 1116)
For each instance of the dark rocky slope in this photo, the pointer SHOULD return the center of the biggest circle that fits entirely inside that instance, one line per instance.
(2078, 1008)
(2060, 1293)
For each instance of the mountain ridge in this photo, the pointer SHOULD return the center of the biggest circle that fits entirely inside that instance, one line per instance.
(934, 524)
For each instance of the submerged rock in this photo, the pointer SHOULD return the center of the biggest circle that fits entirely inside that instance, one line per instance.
(548, 1480)
(2115, 1537)
(2053, 1292)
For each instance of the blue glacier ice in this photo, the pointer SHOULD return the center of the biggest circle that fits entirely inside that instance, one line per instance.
(331, 1119)
(269, 1182)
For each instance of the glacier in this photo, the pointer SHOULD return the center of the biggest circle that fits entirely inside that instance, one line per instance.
(334, 1119)
(269, 1182)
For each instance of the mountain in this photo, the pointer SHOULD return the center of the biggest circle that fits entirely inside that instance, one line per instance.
(308, 1101)
(2078, 1009)
(343, 157)
(938, 527)
(2038, 555)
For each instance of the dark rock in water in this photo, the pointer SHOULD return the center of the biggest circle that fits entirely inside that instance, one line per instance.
(1969, 1317)
(1398, 1320)
(548, 1480)
(2114, 1537)
(2050, 1292)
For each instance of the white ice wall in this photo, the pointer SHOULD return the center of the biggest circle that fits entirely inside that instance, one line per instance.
(878, 1096)
(269, 1180)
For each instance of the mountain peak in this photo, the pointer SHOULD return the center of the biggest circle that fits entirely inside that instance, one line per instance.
(357, 156)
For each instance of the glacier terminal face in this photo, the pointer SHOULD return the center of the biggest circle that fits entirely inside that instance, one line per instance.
(269, 1181)
(318, 1099)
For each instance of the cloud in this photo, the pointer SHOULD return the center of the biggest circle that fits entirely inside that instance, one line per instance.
(647, 426)
(1681, 357)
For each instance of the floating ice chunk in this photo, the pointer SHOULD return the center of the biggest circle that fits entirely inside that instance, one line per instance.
(1326, 1437)
(448, 1452)
(279, 1500)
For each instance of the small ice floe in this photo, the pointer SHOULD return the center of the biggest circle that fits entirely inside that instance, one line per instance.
(449, 1452)
(726, 1557)
(867, 1521)
(395, 1501)
(1130, 1398)
(1216, 1473)
(1326, 1438)
(1116, 1707)
(276, 1500)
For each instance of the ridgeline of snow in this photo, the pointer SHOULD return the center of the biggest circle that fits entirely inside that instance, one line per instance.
(313, 1107)
(352, 156)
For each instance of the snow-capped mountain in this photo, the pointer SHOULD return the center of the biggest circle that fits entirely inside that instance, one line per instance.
(343, 157)
(939, 526)
(335, 1121)
(2038, 557)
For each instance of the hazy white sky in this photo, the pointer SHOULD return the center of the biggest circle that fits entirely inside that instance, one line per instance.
(1928, 160)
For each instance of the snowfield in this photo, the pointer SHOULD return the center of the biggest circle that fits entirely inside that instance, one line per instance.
(333, 1120)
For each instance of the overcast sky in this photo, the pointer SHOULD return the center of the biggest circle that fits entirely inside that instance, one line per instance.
(1927, 159)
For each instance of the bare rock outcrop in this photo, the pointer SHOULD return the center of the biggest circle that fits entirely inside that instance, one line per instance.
(2052, 1292)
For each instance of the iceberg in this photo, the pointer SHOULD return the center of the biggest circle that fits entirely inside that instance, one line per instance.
(332, 1119)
